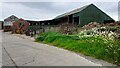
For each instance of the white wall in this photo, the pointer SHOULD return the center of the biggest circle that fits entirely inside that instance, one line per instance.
(8, 23)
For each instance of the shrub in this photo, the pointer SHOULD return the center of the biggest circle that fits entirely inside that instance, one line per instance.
(86, 33)
(46, 35)
(113, 50)
(41, 37)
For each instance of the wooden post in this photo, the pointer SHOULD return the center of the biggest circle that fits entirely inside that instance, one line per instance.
(73, 20)
(68, 19)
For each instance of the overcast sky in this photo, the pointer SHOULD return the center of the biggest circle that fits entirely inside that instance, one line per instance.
(49, 10)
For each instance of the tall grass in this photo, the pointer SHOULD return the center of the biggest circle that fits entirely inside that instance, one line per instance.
(95, 46)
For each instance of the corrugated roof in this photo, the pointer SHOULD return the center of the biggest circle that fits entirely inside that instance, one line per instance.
(73, 12)
(10, 18)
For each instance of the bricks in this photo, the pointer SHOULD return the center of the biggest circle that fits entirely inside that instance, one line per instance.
(20, 26)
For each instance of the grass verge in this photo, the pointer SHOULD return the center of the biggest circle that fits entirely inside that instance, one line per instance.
(95, 46)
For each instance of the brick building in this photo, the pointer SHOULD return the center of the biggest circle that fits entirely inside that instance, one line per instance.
(20, 26)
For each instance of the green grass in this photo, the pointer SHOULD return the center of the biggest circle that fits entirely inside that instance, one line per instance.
(94, 46)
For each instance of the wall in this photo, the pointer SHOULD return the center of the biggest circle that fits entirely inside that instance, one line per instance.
(7, 28)
(8, 23)
(92, 14)
(21, 26)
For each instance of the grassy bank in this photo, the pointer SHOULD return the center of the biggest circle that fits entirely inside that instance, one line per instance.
(95, 46)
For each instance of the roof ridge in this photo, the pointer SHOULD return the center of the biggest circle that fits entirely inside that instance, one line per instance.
(11, 16)
(74, 11)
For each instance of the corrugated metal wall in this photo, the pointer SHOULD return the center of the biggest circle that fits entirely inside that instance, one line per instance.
(92, 14)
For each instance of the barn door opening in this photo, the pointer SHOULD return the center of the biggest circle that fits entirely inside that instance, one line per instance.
(76, 20)
(70, 19)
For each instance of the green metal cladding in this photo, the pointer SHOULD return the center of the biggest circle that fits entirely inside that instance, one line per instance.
(92, 14)
(87, 14)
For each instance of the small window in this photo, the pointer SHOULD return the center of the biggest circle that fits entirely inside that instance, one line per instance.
(21, 24)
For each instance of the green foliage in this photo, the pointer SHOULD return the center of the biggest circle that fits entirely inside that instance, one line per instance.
(113, 50)
(114, 28)
(41, 37)
(87, 32)
(96, 46)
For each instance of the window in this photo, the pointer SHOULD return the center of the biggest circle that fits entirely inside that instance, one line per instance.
(21, 24)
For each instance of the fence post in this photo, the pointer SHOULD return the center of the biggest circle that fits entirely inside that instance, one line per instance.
(43, 27)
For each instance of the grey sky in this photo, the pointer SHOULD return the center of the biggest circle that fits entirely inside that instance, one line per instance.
(49, 10)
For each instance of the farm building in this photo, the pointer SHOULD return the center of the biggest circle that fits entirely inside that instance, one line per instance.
(80, 17)
(84, 15)
(38, 26)
(34, 25)
(20, 26)
(8, 22)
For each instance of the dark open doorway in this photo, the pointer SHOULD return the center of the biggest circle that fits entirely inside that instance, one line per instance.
(76, 20)
(70, 19)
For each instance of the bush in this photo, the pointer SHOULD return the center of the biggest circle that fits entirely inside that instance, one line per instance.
(113, 50)
(47, 35)
(87, 33)
(41, 37)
